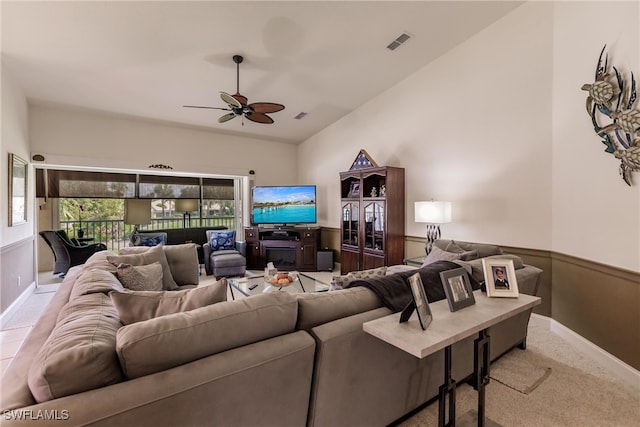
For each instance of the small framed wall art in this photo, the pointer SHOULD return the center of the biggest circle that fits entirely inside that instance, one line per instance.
(17, 190)
(500, 277)
(457, 288)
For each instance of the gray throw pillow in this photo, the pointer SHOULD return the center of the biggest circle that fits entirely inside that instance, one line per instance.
(151, 255)
(182, 259)
(140, 278)
(144, 305)
(438, 254)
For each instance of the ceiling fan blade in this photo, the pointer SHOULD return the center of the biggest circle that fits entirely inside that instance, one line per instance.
(233, 102)
(259, 117)
(241, 99)
(266, 107)
(226, 117)
(209, 108)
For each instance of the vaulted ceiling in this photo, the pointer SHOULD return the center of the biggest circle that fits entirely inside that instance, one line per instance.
(147, 59)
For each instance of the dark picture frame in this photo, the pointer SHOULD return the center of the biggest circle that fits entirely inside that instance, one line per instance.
(457, 288)
(354, 190)
(500, 277)
(17, 190)
(420, 301)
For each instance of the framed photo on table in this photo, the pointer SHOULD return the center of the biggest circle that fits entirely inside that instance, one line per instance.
(457, 288)
(420, 300)
(500, 277)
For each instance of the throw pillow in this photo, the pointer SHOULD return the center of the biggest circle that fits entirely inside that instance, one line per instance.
(438, 254)
(182, 259)
(465, 255)
(222, 240)
(151, 255)
(143, 305)
(151, 240)
(342, 282)
(140, 278)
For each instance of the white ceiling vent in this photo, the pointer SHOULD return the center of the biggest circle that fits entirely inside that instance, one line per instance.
(300, 115)
(398, 41)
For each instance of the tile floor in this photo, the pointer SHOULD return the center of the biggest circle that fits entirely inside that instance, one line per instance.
(19, 325)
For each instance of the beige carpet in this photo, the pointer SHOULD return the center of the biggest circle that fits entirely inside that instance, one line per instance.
(581, 394)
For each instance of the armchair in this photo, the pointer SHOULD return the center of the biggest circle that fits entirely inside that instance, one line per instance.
(224, 259)
(67, 254)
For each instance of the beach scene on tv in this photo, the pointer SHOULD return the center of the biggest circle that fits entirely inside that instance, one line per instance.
(284, 205)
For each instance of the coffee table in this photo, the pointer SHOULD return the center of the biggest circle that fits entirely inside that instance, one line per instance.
(255, 285)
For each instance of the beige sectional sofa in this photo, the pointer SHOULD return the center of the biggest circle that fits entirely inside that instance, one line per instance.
(271, 360)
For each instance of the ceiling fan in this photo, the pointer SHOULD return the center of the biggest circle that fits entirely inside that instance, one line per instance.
(237, 104)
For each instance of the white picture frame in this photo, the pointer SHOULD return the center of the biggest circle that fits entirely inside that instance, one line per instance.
(500, 277)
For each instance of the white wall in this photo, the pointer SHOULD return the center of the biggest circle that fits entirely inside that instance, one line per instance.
(473, 127)
(498, 126)
(595, 214)
(15, 139)
(81, 138)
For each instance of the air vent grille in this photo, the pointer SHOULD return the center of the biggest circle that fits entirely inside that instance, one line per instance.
(300, 116)
(398, 41)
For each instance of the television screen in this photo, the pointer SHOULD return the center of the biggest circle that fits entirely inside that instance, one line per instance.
(291, 204)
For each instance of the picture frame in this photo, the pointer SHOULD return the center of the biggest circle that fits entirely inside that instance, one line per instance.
(354, 190)
(17, 190)
(457, 288)
(420, 301)
(500, 277)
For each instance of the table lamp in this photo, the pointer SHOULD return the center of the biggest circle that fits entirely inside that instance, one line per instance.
(433, 213)
(137, 212)
(186, 206)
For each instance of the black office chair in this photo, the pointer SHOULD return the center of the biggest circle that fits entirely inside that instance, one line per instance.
(66, 253)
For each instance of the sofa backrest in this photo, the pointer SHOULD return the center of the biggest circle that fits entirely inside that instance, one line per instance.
(317, 308)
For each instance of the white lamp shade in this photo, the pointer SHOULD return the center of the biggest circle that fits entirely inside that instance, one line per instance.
(186, 205)
(137, 211)
(433, 212)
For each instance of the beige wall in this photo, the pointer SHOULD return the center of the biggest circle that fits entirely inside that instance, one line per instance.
(596, 216)
(466, 128)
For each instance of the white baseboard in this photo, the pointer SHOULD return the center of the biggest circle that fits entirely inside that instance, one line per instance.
(15, 305)
(612, 364)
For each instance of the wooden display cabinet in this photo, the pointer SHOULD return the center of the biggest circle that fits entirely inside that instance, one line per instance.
(372, 229)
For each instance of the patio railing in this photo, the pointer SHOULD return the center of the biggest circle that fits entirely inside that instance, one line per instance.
(116, 234)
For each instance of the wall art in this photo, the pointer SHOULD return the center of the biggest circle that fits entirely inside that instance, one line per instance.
(610, 103)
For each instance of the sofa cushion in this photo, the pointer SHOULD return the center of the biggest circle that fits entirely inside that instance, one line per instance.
(341, 282)
(182, 259)
(143, 305)
(99, 261)
(79, 355)
(141, 277)
(165, 342)
(222, 240)
(148, 256)
(483, 249)
(93, 280)
(316, 308)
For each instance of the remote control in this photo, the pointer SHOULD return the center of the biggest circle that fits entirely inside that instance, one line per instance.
(252, 287)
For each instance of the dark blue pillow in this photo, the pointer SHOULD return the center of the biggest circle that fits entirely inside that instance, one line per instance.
(151, 240)
(222, 240)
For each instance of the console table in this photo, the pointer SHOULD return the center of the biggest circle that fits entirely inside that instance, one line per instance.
(446, 329)
(289, 248)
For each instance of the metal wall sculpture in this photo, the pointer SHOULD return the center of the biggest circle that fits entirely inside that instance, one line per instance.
(611, 107)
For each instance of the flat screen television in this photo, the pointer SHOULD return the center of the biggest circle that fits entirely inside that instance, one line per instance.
(285, 204)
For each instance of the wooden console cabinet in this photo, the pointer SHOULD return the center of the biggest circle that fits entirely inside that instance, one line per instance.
(372, 230)
(289, 248)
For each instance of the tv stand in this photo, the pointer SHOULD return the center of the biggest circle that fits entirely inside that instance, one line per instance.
(289, 248)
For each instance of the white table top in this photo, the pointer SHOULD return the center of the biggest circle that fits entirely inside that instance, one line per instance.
(447, 327)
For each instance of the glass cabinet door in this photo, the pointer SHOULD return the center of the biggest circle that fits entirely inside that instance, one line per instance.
(350, 219)
(374, 226)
